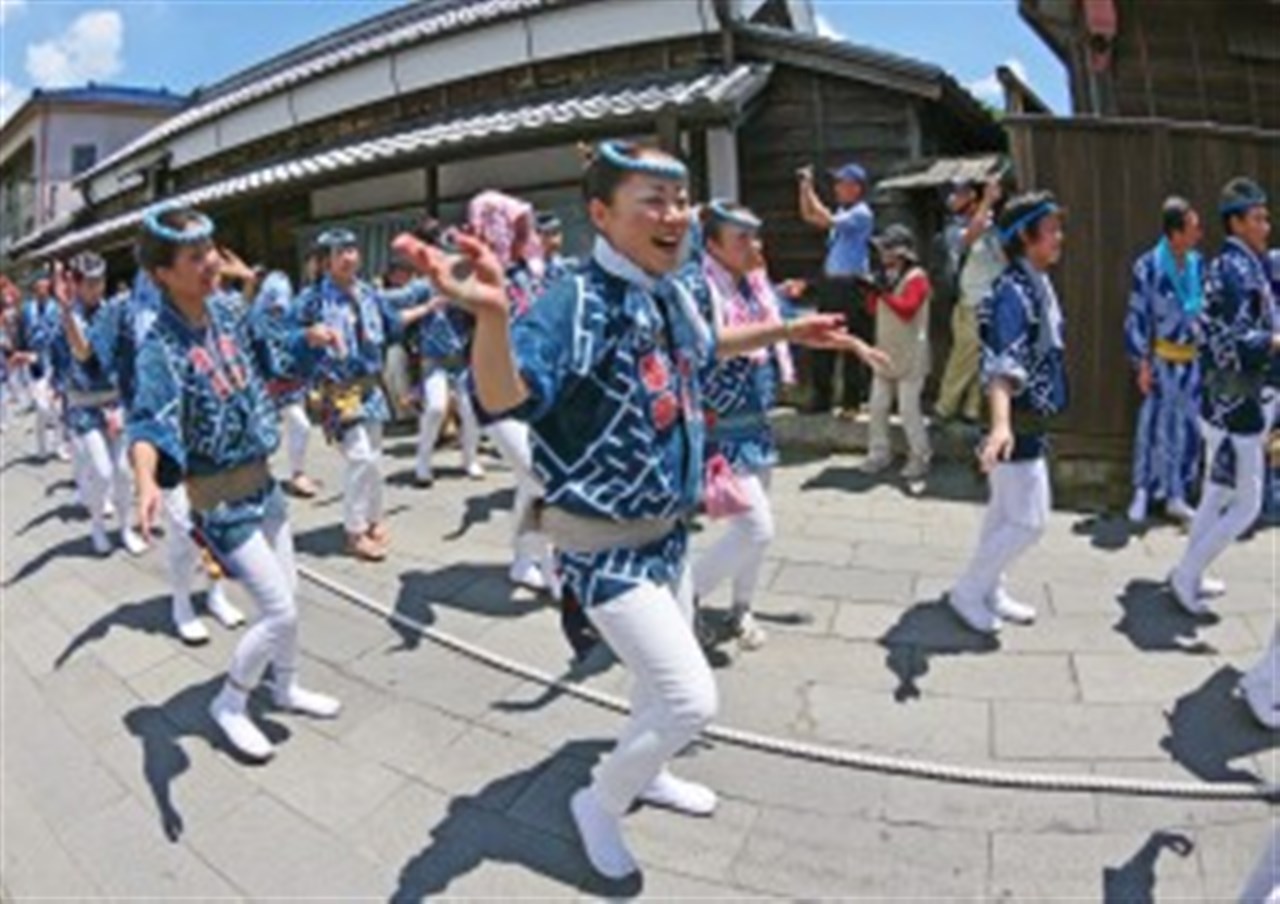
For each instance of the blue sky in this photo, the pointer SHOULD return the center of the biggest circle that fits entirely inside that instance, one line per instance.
(181, 44)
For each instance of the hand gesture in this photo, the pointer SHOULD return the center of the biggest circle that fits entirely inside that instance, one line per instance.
(793, 288)
(321, 335)
(817, 330)
(149, 501)
(232, 267)
(997, 448)
(1145, 378)
(877, 359)
(473, 278)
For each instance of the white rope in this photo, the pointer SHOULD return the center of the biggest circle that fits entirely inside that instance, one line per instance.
(818, 753)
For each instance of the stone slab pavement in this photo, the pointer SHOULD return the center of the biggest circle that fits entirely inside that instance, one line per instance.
(446, 777)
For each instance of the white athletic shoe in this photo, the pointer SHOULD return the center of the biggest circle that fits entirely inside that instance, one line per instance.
(228, 712)
(1010, 610)
(744, 627)
(108, 509)
(475, 471)
(1259, 693)
(1186, 596)
(680, 795)
(975, 614)
(1178, 508)
(526, 573)
(1138, 508)
(298, 699)
(221, 608)
(1211, 587)
(101, 542)
(916, 469)
(601, 834)
(132, 541)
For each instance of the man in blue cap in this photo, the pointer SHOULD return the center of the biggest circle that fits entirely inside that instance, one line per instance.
(845, 270)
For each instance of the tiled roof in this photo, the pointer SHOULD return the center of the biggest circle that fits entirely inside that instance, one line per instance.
(945, 170)
(436, 23)
(717, 91)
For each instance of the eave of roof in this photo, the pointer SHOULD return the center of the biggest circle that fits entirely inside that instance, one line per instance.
(715, 95)
(433, 22)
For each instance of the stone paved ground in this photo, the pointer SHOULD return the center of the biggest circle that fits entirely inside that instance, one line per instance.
(445, 777)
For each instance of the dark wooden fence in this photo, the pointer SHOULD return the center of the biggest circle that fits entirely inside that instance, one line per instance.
(1112, 175)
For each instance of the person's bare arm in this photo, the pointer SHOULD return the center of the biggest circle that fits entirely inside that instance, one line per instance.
(999, 444)
(146, 460)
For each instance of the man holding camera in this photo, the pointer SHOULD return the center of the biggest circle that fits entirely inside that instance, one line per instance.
(846, 274)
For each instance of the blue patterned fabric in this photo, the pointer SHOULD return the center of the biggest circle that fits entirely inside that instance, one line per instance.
(559, 266)
(38, 325)
(1166, 451)
(445, 336)
(367, 319)
(611, 361)
(1020, 325)
(101, 327)
(275, 308)
(737, 392)
(1236, 354)
(141, 308)
(201, 400)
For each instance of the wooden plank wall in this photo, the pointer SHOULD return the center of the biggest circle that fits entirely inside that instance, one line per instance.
(1112, 176)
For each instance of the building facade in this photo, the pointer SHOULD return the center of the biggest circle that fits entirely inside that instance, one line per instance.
(56, 136)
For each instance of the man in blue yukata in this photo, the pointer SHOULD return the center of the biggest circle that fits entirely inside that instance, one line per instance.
(1162, 335)
(1237, 355)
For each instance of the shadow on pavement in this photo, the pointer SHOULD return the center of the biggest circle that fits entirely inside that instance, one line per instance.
(1153, 622)
(67, 512)
(151, 616)
(1209, 729)
(481, 509)
(161, 729)
(926, 630)
(78, 547)
(1109, 533)
(598, 661)
(1134, 881)
(480, 827)
(951, 483)
(462, 586)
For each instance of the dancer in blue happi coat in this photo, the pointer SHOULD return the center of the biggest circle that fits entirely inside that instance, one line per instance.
(551, 237)
(201, 416)
(38, 324)
(605, 369)
(1237, 355)
(354, 402)
(85, 349)
(1021, 328)
(1162, 334)
(276, 301)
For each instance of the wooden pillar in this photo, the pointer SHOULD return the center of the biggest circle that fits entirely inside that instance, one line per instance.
(668, 128)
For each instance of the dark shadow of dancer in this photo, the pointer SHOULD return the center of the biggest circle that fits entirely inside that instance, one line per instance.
(78, 547)
(598, 661)
(454, 586)
(1209, 728)
(1153, 622)
(153, 616)
(54, 487)
(162, 728)
(1110, 533)
(483, 827)
(66, 513)
(950, 482)
(1134, 881)
(480, 509)
(926, 630)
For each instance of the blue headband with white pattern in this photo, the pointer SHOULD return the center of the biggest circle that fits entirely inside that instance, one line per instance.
(615, 154)
(198, 229)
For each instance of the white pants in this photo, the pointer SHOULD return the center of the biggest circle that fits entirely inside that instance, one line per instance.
(883, 391)
(297, 433)
(181, 552)
(739, 553)
(1224, 513)
(512, 439)
(101, 467)
(674, 694)
(1016, 518)
(1263, 886)
(264, 565)
(20, 384)
(46, 405)
(362, 480)
(435, 404)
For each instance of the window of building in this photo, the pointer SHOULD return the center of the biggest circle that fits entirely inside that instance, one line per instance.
(83, 157)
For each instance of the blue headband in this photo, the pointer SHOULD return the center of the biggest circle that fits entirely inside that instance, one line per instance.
(198, 230)
(336, 238)
(1242, 204)
(743, 219)
(1041, 210)
(664, 168)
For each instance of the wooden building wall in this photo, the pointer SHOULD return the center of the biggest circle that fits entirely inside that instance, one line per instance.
(1112, 175)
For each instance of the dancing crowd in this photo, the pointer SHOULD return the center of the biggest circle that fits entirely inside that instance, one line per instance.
(628, 393)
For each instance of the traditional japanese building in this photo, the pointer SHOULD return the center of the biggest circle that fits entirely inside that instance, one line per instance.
(421, 107)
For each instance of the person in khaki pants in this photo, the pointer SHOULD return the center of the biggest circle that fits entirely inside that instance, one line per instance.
(960, 394)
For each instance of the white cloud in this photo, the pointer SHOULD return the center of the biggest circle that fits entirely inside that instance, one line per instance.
(11, 98)
(10, 6)
(826, 28)
(989, 89)
(88, 49)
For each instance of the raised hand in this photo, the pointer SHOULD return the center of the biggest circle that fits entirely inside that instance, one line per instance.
(997, 448)
(474, 279)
